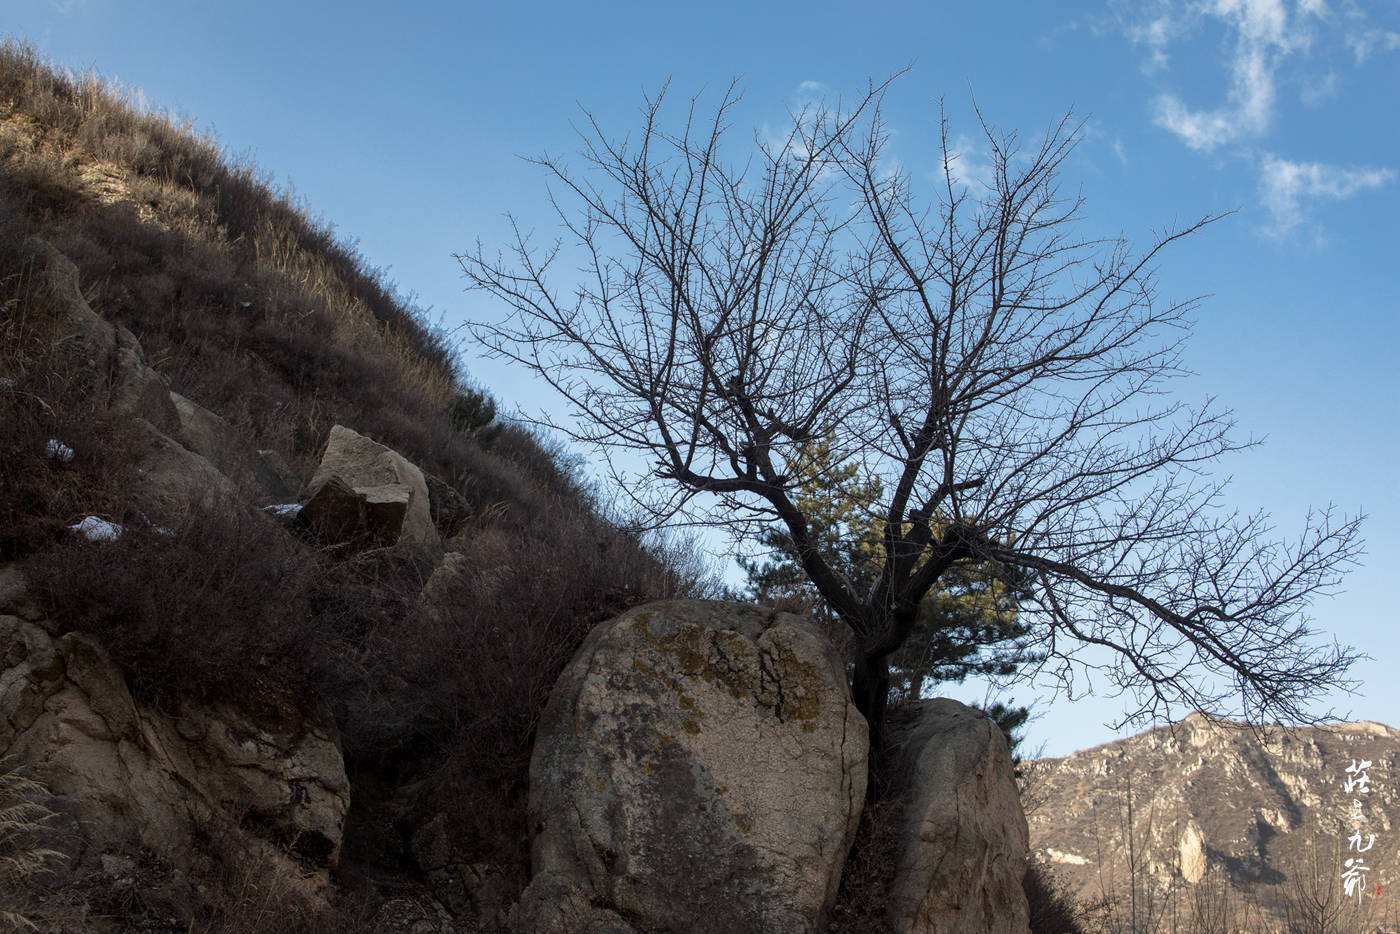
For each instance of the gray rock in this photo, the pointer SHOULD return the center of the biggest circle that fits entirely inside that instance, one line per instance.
(699, 767)
(963, 838)
(362, 487)
(111, 354)
(172, 478)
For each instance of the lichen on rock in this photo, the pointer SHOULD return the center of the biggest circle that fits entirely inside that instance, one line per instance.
(700, 767)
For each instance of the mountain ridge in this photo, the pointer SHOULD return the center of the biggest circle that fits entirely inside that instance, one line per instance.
(1263, 811)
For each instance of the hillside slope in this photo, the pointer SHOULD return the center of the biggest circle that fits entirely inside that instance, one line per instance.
(247, 316)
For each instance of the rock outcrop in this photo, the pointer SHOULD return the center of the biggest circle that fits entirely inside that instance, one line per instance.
(962, 835)
(364, 489)
(182, 453)
(206, 434)
(111, 355)
(135, 778)
(700, 767)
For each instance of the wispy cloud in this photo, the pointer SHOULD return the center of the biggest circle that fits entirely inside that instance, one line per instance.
(1368, 42)
(1262, 34)
(970, 163)
(1319, 90)
(1286, 187)
(1265, 47)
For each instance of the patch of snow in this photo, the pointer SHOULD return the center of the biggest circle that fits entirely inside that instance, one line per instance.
(98, 530)
(59, 451)
(284, 510)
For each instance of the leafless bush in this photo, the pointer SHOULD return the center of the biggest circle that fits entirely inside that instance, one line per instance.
(869, 871)
(214, 608)
(1054, 909)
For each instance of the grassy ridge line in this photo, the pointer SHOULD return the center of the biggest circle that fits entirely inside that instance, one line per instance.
(239, 298)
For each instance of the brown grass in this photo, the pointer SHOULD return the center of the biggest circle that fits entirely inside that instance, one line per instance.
(25, 864)
(44, 399)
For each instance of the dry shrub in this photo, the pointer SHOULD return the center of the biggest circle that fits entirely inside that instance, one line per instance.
(1053, 907)
(249, 895)
(59, 458)
(215, 608)
(869, 872)
(460, 682)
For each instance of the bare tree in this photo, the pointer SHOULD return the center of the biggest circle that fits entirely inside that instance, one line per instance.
(1000, 372)
(1312, 899)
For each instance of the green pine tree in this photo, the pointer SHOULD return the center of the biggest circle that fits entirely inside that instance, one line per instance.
(967, 625)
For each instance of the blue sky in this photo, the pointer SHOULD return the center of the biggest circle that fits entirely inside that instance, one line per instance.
(402, 125)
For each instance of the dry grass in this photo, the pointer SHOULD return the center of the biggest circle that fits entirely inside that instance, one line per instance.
(25, 864)
(44, 399)
(245, 303)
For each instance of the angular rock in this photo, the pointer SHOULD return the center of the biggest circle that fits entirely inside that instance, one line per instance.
(699, 767)
(364, 488)
(448, 508)
(963, 839)
(171, 477)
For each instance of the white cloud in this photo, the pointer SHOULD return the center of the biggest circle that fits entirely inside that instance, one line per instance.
(970, 163)
(1318, 91)
(1262, 34)
(1303, 46)
(1286, 187)
(1368, 42)
(1156, 33)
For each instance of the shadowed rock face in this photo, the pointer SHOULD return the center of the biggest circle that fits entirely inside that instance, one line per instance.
(700, 767)
(962, 851)
(1216, 803)
(133, 777)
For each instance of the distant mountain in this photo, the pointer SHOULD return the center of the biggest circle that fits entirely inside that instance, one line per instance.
(1257, 819)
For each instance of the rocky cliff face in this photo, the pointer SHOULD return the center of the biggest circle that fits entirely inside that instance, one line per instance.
(1267, 813)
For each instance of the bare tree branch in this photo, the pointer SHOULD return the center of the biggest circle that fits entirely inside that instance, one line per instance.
(1007, 379)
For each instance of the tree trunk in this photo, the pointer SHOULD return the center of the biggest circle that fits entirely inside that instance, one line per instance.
(870, 689)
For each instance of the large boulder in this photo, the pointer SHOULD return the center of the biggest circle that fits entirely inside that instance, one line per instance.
(699, 767)
(961, 857)
(135, 778)
(364, 489)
